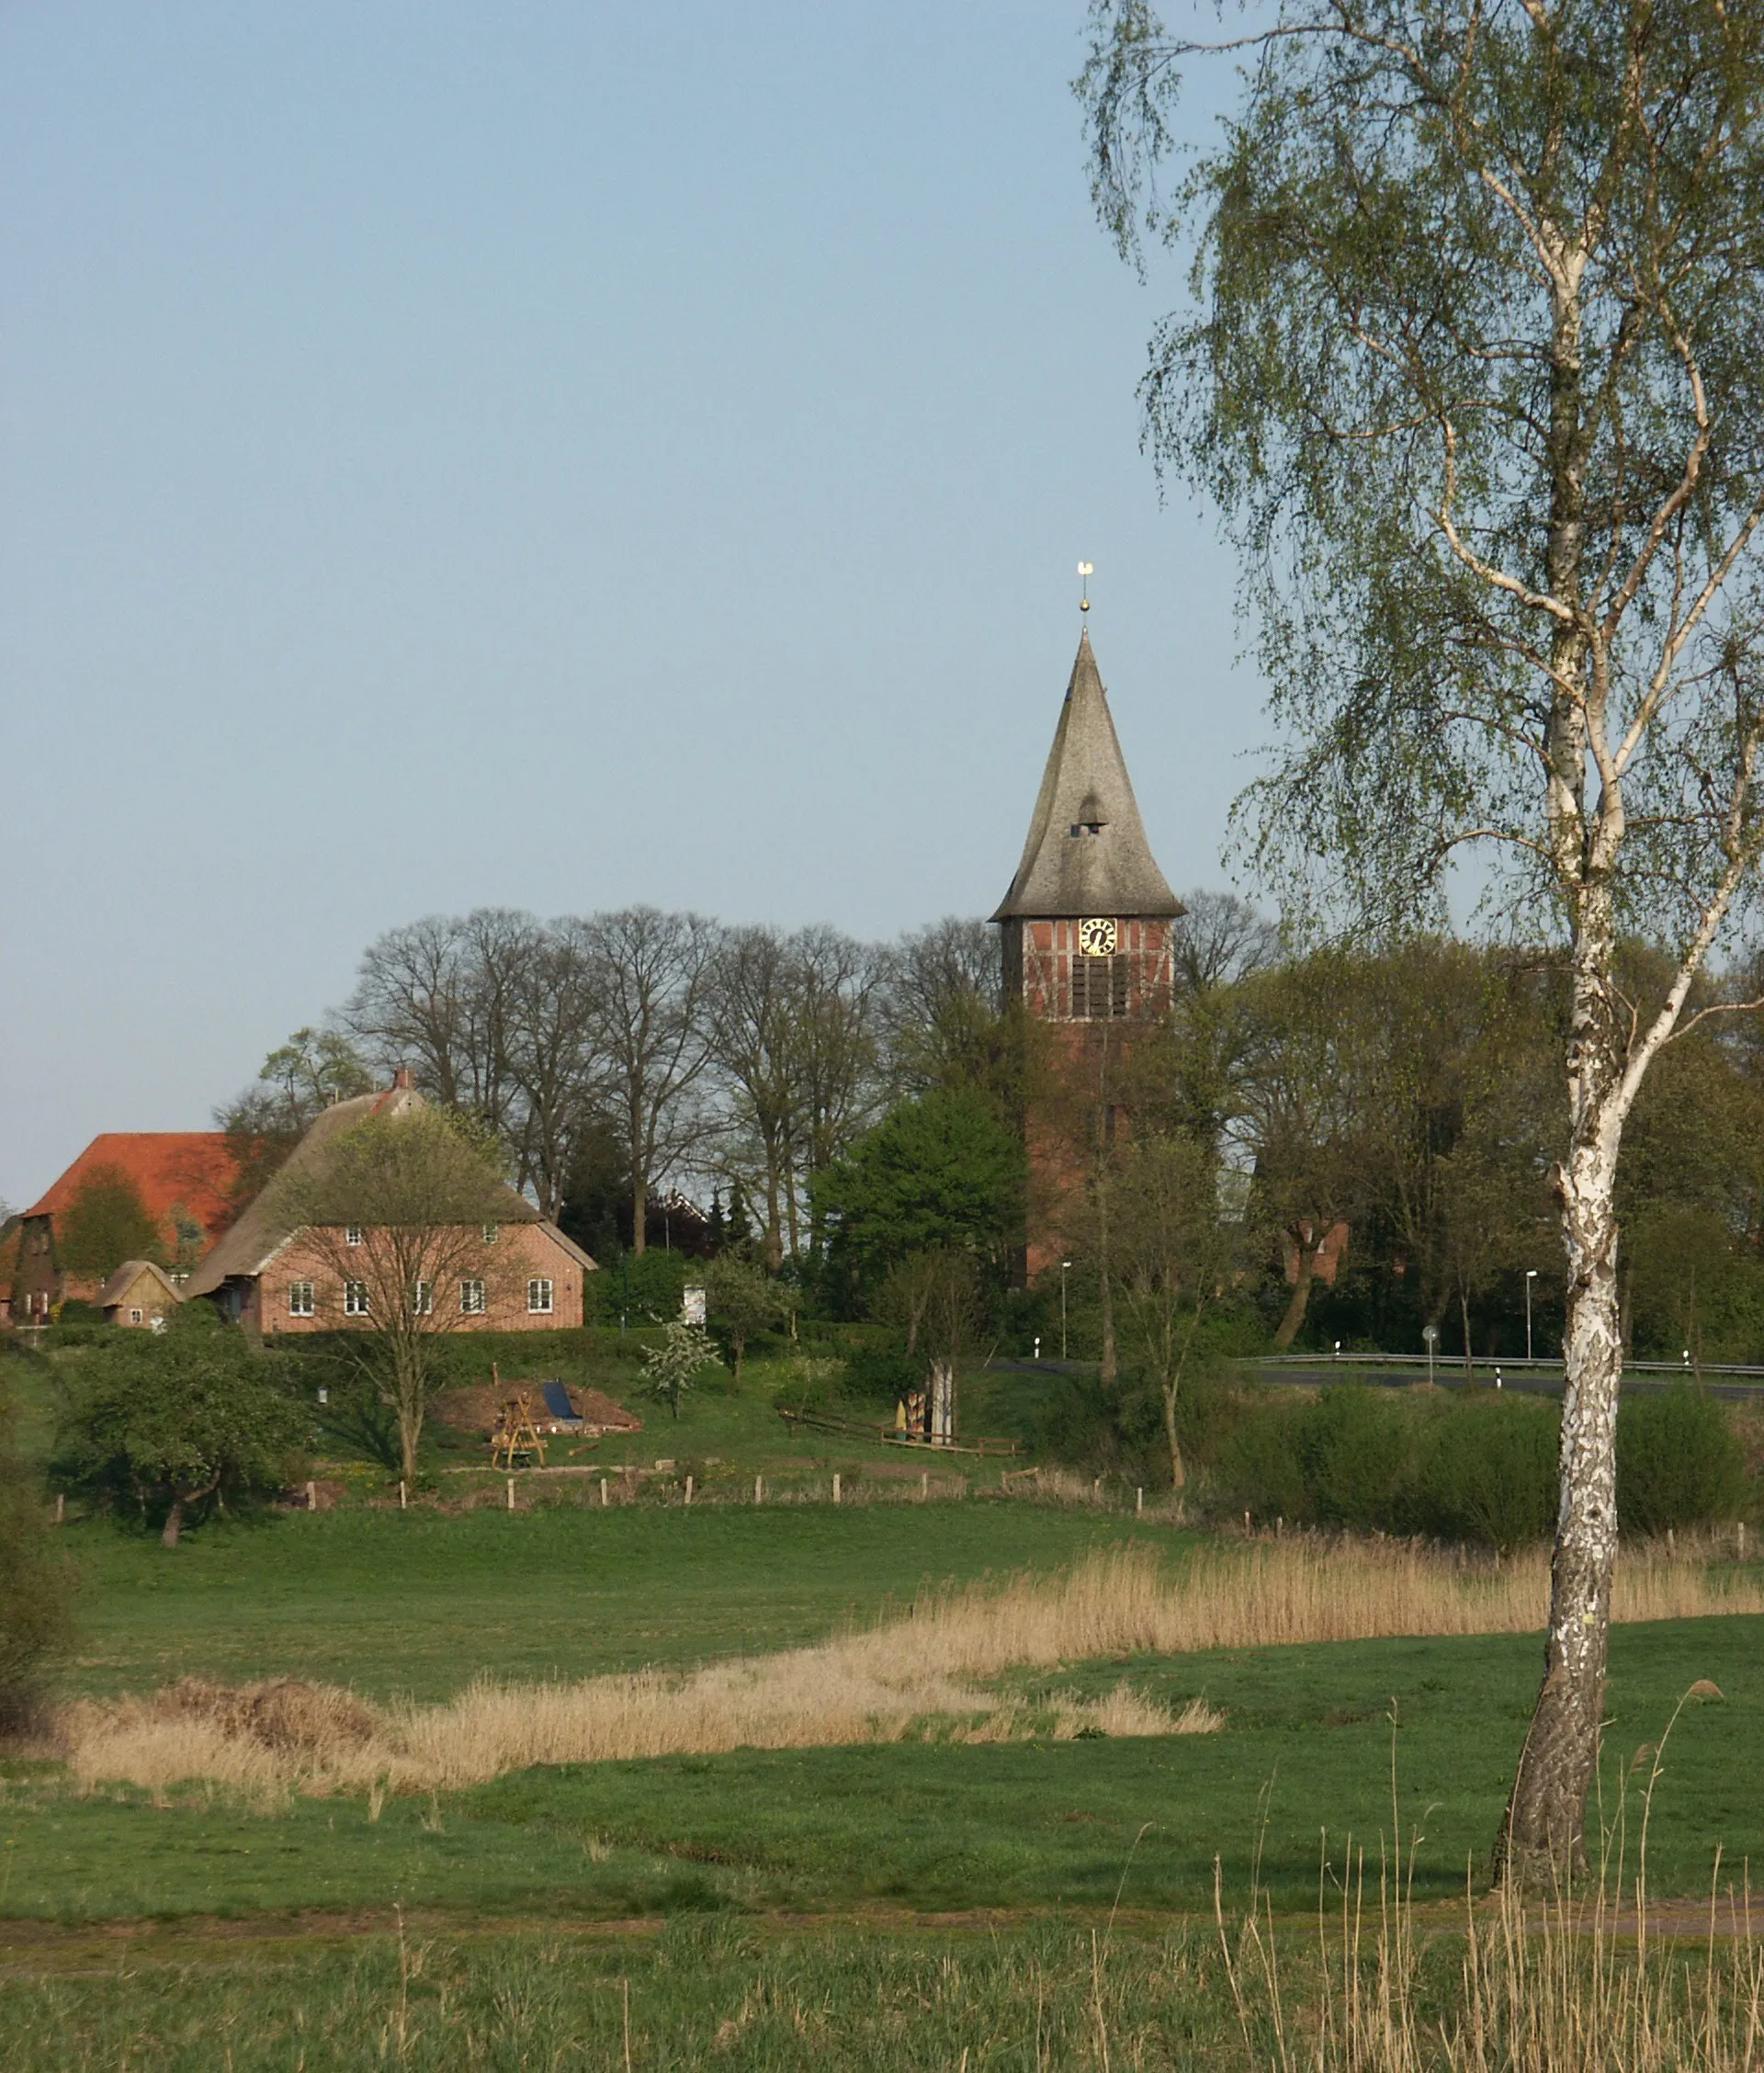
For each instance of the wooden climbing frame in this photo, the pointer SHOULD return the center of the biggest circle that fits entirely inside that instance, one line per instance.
(516, 1434)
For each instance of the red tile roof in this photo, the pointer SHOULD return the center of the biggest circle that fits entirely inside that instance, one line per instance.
(191, 1170)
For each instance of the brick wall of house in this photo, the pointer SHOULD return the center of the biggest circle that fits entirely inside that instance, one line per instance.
(522, 1252)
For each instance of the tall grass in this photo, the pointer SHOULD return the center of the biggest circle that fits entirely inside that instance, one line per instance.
(1575, 1982)
(917, 1674)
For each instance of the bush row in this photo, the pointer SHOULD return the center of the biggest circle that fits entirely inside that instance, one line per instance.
(1481, 1466)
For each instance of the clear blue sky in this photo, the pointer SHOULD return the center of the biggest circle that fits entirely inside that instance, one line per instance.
(552, 454)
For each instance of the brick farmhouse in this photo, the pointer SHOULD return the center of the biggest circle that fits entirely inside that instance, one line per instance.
(520, 1273)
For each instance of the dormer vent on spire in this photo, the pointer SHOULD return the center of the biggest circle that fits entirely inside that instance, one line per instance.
(1085, 790)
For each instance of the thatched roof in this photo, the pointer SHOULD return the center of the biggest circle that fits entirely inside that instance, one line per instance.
(1087, 852)
(126, 1276)
(259, 1234)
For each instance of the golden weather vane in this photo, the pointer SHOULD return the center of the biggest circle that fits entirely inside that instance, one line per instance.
(1085, 571)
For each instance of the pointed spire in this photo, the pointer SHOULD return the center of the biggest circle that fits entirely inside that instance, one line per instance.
(1087, 852)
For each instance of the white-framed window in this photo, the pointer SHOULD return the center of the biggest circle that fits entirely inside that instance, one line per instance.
(352, 1234)
(539, 1295)
(300, 1299)
(422, 1298)
(472, 1298)
(355, 1299)
(489, 1232)
(134, 1316)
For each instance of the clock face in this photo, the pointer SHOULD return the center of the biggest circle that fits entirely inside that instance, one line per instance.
(1096, 937)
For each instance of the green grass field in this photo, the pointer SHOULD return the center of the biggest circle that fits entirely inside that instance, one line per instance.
(1302, 1765)
(417, 1601)
(881, 1905)
(701, 1992)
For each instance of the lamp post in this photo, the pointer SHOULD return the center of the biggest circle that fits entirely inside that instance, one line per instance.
(1430, 1335)
(1064, 1267)
(1531, 1275)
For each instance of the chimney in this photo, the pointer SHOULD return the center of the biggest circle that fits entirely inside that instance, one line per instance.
(401, 1078)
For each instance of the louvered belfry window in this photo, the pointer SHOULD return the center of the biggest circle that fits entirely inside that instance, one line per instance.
(1098, 988)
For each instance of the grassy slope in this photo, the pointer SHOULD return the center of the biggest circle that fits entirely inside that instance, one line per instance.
(418, 1602)
(1023, 1825)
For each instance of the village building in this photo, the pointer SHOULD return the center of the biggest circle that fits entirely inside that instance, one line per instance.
(1086, 943)
(139, 1294)
(182, 1180)
(276, 1278)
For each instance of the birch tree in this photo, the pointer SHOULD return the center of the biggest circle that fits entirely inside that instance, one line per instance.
(1472, 367)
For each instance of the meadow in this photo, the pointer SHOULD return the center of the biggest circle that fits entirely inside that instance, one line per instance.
(925, 1884)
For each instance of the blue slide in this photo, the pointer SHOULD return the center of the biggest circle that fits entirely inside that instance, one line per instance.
(557, 1401)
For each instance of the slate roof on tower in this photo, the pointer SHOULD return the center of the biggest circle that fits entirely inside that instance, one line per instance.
(1087, 852)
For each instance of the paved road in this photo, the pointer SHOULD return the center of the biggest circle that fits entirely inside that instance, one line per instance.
(1538, 1379)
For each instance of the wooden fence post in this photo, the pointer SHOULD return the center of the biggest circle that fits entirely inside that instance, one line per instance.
(511, 1493)
(603, 1494)
(835, 1486)
(689, 1490)
(758, 1488)
(402, 1502)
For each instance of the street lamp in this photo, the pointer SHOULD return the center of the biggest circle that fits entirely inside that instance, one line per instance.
(1430, 1335)
(1531, 1275)
(1064, 1267)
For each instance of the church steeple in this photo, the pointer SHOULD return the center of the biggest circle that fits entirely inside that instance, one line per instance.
(1086, 923)
(1087, 852)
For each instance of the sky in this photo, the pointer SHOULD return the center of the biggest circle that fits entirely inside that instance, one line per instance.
(551, 455)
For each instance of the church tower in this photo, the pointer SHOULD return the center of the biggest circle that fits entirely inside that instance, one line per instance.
(1086, 929)
(1086, 923)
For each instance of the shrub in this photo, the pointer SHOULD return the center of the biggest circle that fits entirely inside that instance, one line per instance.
(35, 1586)
(1489, 1470)
(1259, 1470)
(1677, 1462)
(1355, 1446)
(645, 1287)
(1115, 1431)
(883, 1374)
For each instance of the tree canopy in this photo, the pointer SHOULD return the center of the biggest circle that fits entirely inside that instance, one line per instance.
(105, 1224)
(939, 1172)
(165, 1421)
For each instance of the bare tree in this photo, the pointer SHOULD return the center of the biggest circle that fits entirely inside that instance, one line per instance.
(1171, 1256)
(1219, 939)
(942, 1020)
(649, 996)
(552, 1021)
(838, 1086)
(753, 1039)
(438, 995)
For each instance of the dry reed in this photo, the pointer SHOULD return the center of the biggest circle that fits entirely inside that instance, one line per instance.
(912, 1675)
